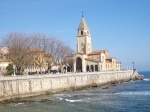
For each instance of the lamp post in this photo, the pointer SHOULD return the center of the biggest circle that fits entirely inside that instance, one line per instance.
(14, 67)
(133, 65)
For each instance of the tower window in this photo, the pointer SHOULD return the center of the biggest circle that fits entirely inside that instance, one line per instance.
(81, 32)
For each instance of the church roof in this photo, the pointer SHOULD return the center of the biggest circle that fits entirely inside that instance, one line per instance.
(110, 58)
(91, 60)
(83, 25)
(96, 52)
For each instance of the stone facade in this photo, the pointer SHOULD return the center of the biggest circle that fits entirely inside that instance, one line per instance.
(88, 60)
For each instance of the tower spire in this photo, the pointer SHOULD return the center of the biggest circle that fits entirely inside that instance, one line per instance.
(84, 44)
(83, 25)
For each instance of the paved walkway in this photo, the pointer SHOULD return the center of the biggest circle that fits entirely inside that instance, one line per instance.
(22, 77)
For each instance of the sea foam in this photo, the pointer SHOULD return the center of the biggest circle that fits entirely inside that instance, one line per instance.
(73, 100)
(133, 93)
(146, 79)
(19, 104)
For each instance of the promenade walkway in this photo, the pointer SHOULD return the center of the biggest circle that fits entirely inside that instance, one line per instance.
(22, 77)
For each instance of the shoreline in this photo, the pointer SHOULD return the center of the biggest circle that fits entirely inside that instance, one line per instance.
(26, 99)
(65, 84)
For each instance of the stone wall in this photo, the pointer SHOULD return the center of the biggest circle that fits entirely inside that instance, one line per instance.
(25, 87)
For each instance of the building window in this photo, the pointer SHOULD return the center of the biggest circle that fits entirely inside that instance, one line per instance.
(81, 32)
(81, 44)
(96, 67)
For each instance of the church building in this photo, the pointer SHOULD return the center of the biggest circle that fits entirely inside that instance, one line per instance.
(87, 60)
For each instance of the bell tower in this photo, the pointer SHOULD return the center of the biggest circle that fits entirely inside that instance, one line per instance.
(84, 44)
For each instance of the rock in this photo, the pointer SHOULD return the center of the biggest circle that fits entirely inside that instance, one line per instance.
(136, 76)
(139, 77)
(94, 85)
(105, 88)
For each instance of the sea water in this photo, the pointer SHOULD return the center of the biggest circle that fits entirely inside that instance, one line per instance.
(131, 96)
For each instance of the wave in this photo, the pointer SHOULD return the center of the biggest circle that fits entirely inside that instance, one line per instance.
(133, 93)
(63, 95)
(91, 96)
(74, 95)
(73, 100)
(60, 98)
(146, 79)
(85, 96)
(19, 104)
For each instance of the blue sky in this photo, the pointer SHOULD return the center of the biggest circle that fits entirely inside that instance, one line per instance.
(120, 26)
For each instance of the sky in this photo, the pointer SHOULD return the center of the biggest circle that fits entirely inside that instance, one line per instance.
(120, 26)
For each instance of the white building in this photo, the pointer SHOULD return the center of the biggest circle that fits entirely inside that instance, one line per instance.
(4, 62)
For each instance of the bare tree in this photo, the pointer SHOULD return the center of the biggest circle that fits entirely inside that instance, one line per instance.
(68, 58)
(18, 44)
(21, 45)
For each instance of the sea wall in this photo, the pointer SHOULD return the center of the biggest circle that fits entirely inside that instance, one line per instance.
(19, 87)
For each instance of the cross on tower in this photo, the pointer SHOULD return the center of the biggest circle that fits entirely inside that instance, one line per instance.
(82, 13)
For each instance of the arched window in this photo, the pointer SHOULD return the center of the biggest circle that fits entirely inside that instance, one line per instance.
(96, 67)
(68, 69)
(92, 68)
(79, 64)
(81, 32)
(87, 68)
(64, 70)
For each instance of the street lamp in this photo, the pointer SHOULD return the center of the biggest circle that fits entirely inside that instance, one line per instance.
(133, 65)
(14, 67)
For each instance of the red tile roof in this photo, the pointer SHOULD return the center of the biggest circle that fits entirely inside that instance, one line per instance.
(110, 58)
(108, 62)
(91, 60)
(5, 60)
